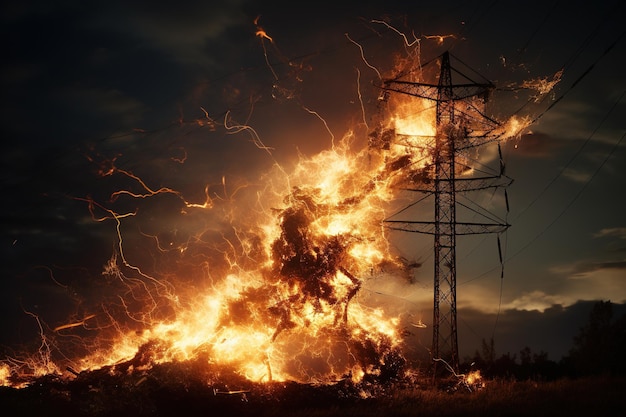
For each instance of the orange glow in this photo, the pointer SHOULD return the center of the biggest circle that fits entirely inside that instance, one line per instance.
(473, 377)
(543, 85)
(514, 127)
(260, 32)
(263, 35)
(273, 292)
(473, 381)
(76, 324)
(440, 38)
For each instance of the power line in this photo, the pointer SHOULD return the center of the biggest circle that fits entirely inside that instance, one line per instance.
(574, 84)
(571, 160)
(573, 200)
(538, 28)
(580, 78)
(570, 61)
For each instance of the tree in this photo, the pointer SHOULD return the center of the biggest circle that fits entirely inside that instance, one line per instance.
(599, 346)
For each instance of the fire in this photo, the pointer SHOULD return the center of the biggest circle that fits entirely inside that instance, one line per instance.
(275, 283)
(473, 377)
(543, 85)
(514, 127)
(260, 32)
(288, 306)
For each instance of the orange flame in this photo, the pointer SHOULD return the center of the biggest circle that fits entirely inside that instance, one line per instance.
(275, 292)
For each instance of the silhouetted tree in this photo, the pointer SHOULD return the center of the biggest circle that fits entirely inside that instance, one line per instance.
(599, 347)
(525, 357)
(483, 360)
(488, 351)
(506, 366)
(619, 341)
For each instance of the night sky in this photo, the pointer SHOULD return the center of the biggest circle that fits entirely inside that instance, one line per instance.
(86, 83)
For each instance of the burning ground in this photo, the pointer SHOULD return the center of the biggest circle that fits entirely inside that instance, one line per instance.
(195, 388)
(250, 285)
(279, 300)
(281, 276)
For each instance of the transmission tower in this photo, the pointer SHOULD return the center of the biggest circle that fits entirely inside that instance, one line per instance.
(461, 127)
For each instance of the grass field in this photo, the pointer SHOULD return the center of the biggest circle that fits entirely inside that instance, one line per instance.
(176, 395)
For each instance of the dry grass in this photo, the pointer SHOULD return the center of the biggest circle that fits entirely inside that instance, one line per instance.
(174, 395)
(509, 398)
(572, 398)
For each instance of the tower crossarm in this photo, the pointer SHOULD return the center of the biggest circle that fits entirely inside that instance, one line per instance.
(468, 184)
(461, 228)
(482, 183)
(476, 141)
(431, 91)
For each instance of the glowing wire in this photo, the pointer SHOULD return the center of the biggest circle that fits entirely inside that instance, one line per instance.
(358, 89)
(415, 41)
(363, 57)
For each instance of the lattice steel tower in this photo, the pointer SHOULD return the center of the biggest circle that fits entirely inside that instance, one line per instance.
(461, 127)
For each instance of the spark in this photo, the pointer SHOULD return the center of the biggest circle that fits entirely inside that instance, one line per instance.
(235, 128)
(440, 38)
(471, 381)
(112, 215)
(358, 89)
(207, 204)
(75, 324)
(180, 160)
(316, 114)
(543, 85)
(261, 33)
(52, 277)
(206, 121)
(514, 127)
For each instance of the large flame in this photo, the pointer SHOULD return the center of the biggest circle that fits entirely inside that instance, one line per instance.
(272, 286)
(281, 302)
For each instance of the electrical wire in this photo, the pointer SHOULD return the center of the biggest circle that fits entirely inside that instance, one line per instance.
(576, 196)
(584, 74)
(572, 201)
(571, 160)
(580, 78)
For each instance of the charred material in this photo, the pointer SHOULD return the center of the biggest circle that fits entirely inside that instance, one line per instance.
(309, 260)
(196, 387)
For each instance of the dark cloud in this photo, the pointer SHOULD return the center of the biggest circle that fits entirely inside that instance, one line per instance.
(552, 330)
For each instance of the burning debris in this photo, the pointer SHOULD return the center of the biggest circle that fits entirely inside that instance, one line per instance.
(470, 381)
(256, 298)
(293, 314)
(139, 387)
